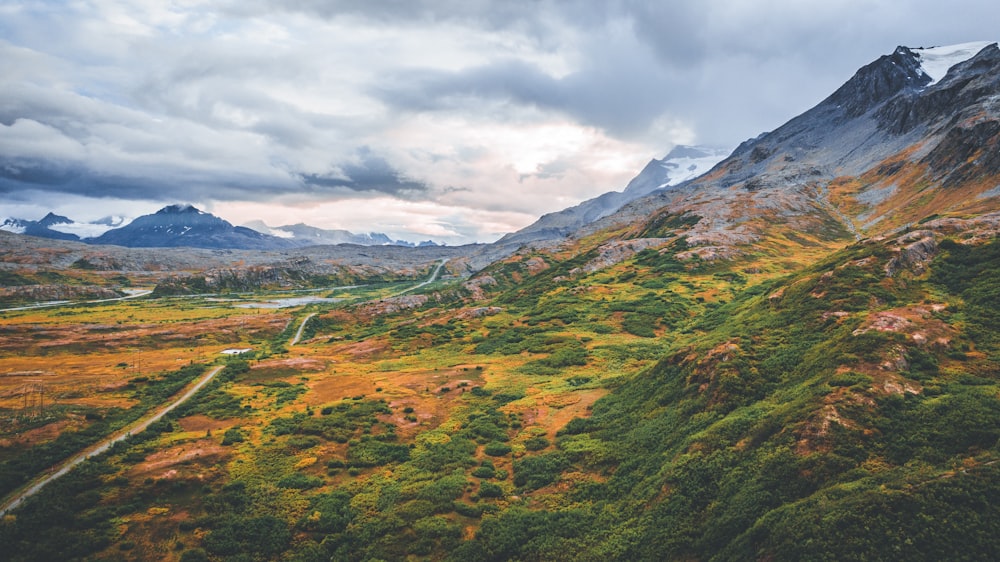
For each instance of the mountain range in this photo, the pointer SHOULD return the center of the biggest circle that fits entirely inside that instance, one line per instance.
(187, 226)
(891, 147)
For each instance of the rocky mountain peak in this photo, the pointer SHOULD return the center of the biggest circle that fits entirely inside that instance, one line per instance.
(53, 219)
(179, 209)
(878, 81)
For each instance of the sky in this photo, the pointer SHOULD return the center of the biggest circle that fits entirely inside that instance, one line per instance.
(451, 120)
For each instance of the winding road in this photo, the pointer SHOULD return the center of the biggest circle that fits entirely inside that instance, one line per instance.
(140, 425)
(431, 279)
(135, 295)
(33, 487)
(302, 327)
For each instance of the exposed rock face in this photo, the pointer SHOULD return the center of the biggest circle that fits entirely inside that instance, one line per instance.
(618, 251)
(886, 150)
(392, 305)
(917, 248)
(475, 286)
(876, 82)
(480, 312)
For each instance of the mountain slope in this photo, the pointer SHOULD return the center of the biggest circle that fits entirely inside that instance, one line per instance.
(885, 150)
(681, 164)
(819, 397)
(42, 227)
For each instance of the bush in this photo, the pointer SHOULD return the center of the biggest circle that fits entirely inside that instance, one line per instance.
(266, 535)
(194, 555)
(232, 436)
(490, 490)
(299, 481)
(535, 472)
(497, 449)
(377, 453)
(484, 472)
(536, 443)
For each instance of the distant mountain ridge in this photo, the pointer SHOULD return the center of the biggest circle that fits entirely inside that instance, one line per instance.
(304, 234)
(187, 226)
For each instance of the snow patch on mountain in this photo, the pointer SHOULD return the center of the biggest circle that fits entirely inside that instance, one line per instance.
(84, 230)
(15, 226)
(936, 61)
(685, 163)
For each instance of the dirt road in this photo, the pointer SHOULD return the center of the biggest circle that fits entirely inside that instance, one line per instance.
(140, 425)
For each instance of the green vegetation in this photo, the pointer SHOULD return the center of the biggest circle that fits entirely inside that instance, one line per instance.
(19, 466)
(701, 411)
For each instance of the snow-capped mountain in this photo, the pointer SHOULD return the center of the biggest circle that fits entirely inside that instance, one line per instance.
(62, 228)
(17, 226)
(184, 225)
(912, 135)
(681, 164)
(935, 61)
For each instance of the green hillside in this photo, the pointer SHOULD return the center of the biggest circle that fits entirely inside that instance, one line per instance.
(843, 411)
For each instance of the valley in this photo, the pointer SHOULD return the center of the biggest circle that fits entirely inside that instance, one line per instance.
(792, 356)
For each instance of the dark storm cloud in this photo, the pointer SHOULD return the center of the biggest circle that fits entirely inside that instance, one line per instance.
(370, 173)
(618, 95)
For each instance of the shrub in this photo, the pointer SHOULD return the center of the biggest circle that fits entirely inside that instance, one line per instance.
(484, 472)
(299, 481)
(490, 490)
(232, 436)
(496, 449)
(536, 443)
(535, 472)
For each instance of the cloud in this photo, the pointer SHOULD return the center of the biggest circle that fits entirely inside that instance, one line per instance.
(369, 173)
(498, 111)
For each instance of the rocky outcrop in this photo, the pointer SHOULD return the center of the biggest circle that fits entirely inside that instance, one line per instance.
(48, 293)
(916, 249)
(476, 286)
(617, 251)
(392, 305)
(480, 312)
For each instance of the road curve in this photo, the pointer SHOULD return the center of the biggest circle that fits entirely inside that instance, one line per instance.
(67, 465)
(302, 327)
(431, 279)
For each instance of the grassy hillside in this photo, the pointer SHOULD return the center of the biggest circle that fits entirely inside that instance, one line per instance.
(804, 401)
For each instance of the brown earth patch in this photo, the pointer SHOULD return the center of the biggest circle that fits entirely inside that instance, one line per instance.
(199, 423)
(552, 412)
(296, 363)
(189, 459)
(365, 349)
(47, 432)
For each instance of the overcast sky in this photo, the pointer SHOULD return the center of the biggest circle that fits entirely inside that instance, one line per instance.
(456, 120)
